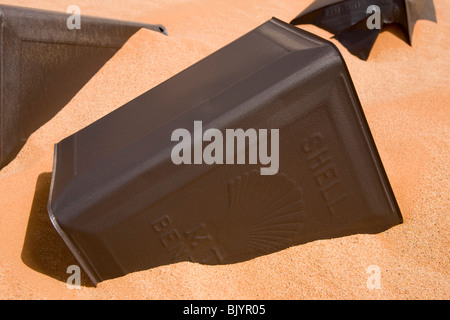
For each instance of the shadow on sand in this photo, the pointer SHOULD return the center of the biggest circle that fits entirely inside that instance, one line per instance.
(44, 250)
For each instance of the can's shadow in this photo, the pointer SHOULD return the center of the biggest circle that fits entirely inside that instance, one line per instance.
(396, 30)
(44, 250)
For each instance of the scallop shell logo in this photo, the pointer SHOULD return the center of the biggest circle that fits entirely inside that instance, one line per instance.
(265, 212)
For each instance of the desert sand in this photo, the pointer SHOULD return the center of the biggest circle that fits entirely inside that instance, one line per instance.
(404, 91)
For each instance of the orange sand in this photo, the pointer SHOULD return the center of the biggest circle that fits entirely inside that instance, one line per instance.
(404, 92)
